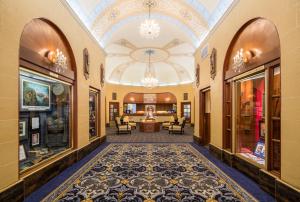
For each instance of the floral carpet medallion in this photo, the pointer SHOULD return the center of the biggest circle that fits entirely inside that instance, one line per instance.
(148, 173)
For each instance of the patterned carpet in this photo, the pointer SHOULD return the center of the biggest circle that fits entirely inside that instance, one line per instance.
(148, 173)
(158, 137)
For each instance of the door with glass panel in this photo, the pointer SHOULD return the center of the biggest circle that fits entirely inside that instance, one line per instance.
(113, 111)
(186, 111)
(250, 117)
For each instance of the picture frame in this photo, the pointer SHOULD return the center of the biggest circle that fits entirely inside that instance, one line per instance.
(35, 95)
(35, 123)
(213, 63)
(22, 153)
(262, 129)
(260, 149)
(35, 139)
(197, 75)
(23, 129)
(102, 75)
(86, 63)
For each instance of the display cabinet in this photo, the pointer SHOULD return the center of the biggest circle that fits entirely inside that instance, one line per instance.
(250, 126)
(93, 113)
(44, 124)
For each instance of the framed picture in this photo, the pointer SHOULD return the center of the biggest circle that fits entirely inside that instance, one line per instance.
(102, 75)
(35, 96)
(197, 75)
(86, 63)
(22, 153)
(35, 139)
(260, 149)
(262, 129)
(23, 129)
(35, 123)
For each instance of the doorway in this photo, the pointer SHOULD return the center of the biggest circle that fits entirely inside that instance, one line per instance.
(113, 112)
(186, 111)
(205, 116)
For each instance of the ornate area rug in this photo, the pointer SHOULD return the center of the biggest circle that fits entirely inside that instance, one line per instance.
(148, 173)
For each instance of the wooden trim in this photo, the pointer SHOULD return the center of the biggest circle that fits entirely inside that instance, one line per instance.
(183, 103)
(204, 135)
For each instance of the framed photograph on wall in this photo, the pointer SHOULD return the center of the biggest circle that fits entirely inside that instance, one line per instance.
(35, 139)
(35, 123)
(262, 129)
(22, 153)
(35, 95)
(23, 129)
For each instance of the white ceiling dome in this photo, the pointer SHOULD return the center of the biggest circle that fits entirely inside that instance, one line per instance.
(184, 24)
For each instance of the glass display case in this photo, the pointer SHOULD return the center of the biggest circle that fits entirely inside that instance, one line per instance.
(44, 118)
(93, 113)
(250, 104)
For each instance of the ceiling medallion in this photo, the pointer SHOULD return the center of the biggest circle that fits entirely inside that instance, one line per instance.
(149, 29)
(150, 80)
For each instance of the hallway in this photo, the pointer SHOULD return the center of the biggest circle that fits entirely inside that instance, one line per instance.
(151, 172)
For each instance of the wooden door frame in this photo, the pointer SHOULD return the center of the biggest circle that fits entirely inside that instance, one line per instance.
(202, 136)
(109, 117)
(182, 114)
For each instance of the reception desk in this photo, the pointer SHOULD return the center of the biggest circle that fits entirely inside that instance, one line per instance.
(149, 126)
(140, 117)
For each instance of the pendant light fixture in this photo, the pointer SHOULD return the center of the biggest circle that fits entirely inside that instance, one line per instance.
(149, 29)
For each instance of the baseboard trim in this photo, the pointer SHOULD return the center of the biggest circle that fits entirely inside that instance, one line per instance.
(31, 183)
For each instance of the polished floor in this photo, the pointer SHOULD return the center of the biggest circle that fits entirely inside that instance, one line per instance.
(149, 172)
(161, 136)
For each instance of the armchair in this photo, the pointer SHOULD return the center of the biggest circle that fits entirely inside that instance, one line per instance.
(179, 128)
(128, 122)
(167, 124)
(122, 128)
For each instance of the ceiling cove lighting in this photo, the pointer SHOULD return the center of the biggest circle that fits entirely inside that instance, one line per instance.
(149, 29)
(150, 80)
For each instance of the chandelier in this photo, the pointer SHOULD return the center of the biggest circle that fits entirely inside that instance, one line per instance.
(150, 80)
(149, 29)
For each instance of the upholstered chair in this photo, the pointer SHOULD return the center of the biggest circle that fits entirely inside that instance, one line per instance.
(178, 128)
(122, 128)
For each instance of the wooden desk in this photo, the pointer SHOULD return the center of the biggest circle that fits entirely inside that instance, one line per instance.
(149, 126)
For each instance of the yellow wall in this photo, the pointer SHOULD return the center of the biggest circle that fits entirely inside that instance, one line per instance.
(14, 14)
(122, 90)
(285, 14)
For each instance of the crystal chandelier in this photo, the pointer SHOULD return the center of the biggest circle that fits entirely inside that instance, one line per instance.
(149, 29)
(150, 80)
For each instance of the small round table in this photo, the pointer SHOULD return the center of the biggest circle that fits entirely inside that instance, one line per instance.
(149, 126)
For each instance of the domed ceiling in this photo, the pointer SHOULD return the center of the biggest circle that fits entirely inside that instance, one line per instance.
(184, 24)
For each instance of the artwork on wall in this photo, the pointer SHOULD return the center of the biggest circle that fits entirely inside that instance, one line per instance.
(185, 96)
(23, 129)
(197, 75)
(213, 63)
(35, 96)
(262, 129)
(102, 75)
(35, 123)
(86, 63)
(260, 150)
(35, 139)
(22, 153)
(114, 96)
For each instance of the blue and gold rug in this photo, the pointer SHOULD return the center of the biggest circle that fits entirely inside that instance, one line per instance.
(148, 173)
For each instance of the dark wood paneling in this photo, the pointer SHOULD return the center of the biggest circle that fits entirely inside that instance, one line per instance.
(256, 35)
(267, 182)
(215, 151)
(246, 167)
(285, 193)
(227, 158)
(14, 193)
(40, 36)
(81, 153)
(160, 98)
(42, 176)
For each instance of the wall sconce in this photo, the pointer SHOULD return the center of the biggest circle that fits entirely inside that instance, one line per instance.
(57, 58)
(241, 58)
(132, 99)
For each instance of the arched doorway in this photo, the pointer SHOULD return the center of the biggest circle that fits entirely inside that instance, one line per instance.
(47, 77)
(252, 95)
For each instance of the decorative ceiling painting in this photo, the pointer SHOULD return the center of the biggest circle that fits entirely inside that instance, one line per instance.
(184, 24)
